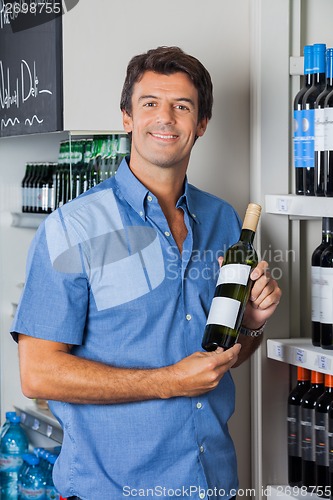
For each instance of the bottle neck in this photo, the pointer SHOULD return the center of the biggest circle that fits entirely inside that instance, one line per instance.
(247, 235)
(326, 237)
(319, 79)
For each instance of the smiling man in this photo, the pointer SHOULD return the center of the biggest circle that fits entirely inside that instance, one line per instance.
(130, 269)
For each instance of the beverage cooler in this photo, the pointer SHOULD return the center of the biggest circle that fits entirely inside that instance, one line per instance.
(252, 151)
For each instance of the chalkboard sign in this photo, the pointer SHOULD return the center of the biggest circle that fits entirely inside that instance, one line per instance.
(30, 74)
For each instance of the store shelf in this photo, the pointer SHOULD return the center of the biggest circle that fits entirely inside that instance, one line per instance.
(288, 493)
(299, 206)
(300, 352)
(23, 219)
(41, 421)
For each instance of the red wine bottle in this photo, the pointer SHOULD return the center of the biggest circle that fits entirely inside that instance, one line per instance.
(321, 435)
(308, 116)
(320, 148)
(308, 406)
(297, 139)
(326, 294)
(327, 229)
(294, 426)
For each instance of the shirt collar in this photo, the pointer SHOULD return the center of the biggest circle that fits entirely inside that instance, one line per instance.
(135, 192)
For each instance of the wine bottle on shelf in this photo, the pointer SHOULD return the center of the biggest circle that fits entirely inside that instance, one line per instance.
(308, 406)
(233, 287)
(308, 117)
(326, 294)
(319, 168)
(321, 436)
(327, 230)
(297, 138)
(328, 154)
(294, 426)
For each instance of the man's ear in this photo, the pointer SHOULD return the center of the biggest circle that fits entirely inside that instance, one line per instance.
(127, 122)
(201, 127)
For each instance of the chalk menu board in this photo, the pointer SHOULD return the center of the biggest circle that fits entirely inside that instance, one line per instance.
(30, 75)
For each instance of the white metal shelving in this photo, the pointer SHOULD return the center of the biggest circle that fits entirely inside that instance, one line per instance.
(299, 206)
(300, 352)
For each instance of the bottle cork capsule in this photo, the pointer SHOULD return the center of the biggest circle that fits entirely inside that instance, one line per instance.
(252, 215)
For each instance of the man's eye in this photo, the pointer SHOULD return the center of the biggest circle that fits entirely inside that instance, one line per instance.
(149, 104)
(182, 107)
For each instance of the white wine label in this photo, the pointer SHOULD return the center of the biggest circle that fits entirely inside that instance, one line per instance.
(234, 273)
(326, 297)
(315, 293)
(223, 311)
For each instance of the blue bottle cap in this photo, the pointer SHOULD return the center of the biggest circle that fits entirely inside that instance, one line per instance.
(15, 419)
(308, 59)
(319, 62)
(51, 458)
(329, 63)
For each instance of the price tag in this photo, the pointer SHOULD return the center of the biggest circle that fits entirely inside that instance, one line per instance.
(300, 356)
(323, 362)
(279, 351)
(36, 424)
(49, 430)
(282, 205)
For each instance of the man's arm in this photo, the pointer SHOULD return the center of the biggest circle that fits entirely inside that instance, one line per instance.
(49, 371)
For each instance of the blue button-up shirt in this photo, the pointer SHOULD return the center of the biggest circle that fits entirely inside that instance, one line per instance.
(105, 275)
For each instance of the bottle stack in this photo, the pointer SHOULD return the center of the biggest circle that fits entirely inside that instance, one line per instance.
(313, 124)
(24, 475)
(81, 165)
(310, 425)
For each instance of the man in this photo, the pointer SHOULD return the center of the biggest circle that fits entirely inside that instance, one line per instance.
(118, 288)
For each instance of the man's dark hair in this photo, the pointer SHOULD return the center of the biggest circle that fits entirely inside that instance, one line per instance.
(166, 61)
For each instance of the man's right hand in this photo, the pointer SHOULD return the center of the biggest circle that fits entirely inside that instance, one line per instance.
(200, 372)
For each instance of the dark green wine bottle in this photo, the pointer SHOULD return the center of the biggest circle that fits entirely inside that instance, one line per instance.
(233, 287)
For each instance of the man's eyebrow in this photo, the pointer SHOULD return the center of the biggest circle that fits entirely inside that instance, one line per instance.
(178, 99)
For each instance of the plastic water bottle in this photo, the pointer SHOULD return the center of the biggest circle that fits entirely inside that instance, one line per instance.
(33, 480)
(50, 489)
(6, 423)
(14, 443)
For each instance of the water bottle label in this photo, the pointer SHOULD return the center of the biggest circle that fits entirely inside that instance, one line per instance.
(10, 463)
(298, 139)
(315, 293)
(308, 143)
(234, 273)
(326, 296)
(223, 311)
(29, 493)
(320, 129)
(329, 129)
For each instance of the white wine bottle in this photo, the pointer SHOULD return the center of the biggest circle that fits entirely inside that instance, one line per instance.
(233, 287)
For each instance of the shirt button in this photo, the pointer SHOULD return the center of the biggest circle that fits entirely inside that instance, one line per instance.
(188, 317)
(149, 198)
(201, 495)
(199, 405)
(141, 213)
(166, 233)
(202, 449)
(194, 216)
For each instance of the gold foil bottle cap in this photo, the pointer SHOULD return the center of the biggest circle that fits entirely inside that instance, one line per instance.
(252, 215)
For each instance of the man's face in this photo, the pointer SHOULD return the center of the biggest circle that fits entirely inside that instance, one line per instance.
(164, 120)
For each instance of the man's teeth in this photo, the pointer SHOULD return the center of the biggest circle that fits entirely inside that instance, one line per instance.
(164, 136)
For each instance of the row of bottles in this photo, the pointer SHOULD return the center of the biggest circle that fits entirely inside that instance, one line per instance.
(81, 165)
(24, 475)
(322, 288)
(313, 124)
(310, 433)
